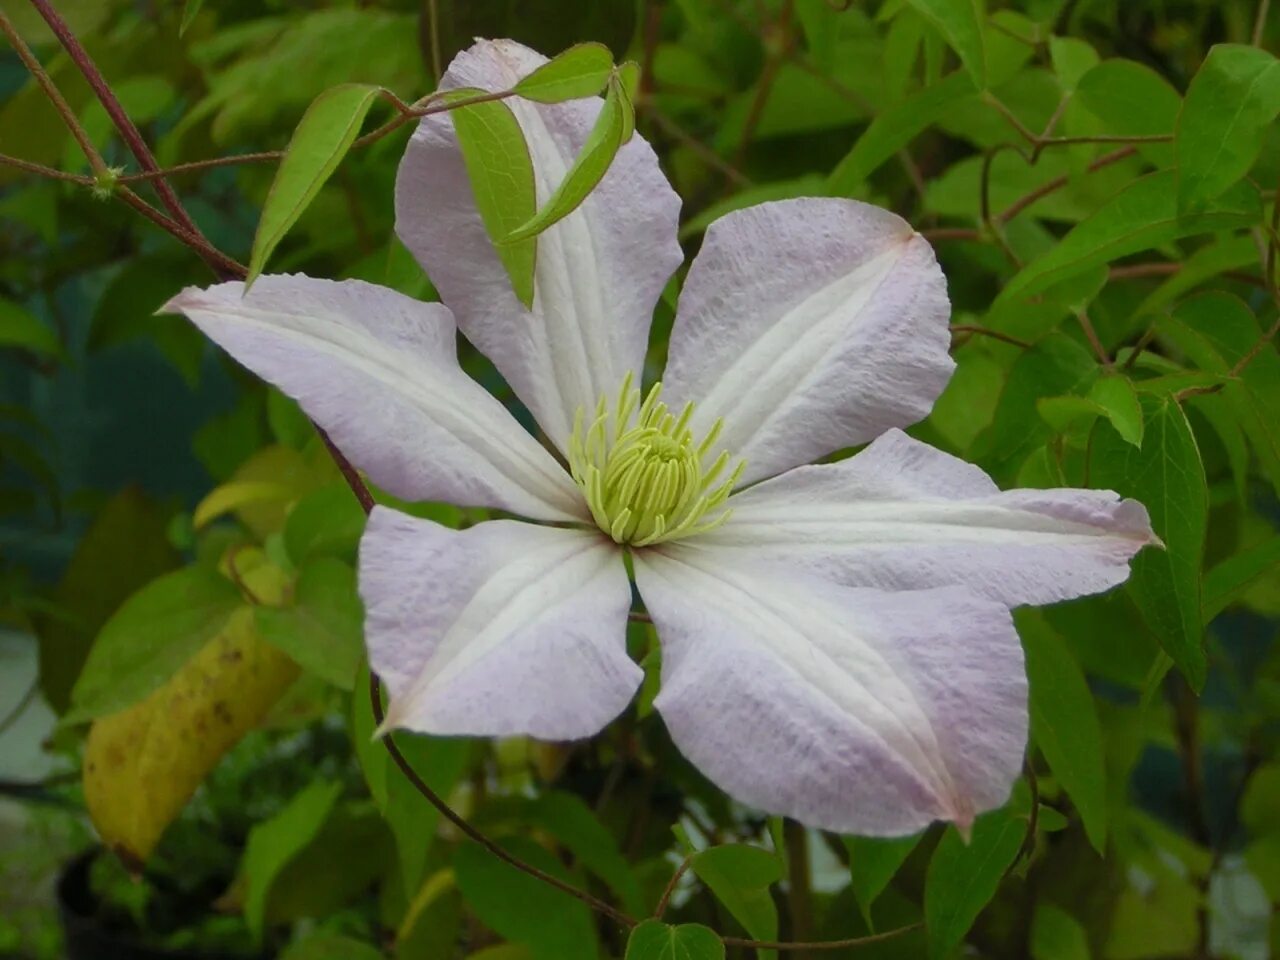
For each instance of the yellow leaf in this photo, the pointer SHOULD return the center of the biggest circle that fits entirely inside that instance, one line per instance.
(142, 765)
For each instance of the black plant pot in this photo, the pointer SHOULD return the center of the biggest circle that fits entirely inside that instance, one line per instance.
(87, 937)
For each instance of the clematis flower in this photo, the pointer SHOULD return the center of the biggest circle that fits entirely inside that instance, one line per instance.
(836, 638)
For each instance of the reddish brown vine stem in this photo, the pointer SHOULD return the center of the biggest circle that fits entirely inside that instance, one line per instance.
(111, 103)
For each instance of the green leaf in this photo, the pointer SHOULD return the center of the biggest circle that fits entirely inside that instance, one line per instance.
(655, 940)
(155, 632)
(1064, 722)
(567, 818)
(124, 548)
(1232, 99)
(962, 878)
(326, 522)
(740, 877)
(581, 71)
(1116, 397)
(501, 173)
(961, 22)
(610, 131)
(1217, 330)
(1130, 99)
(1165, 475)
(1056, 935)
(1055, 366)
(273, 843)
(18, 328)
(440, 761)
(319, 142)
(189, 11)
(322, 631)
(894, 128)
(519, 907)
(1233, 577)
(1142, 216)
(873, 863)
(329, 946)
(1072, 59)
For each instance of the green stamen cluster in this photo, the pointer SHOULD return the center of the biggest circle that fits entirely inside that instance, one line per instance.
(642, 473)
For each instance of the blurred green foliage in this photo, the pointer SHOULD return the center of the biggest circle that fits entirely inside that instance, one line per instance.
(1098, 179)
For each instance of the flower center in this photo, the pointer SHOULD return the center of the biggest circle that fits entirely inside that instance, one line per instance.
(642, 471)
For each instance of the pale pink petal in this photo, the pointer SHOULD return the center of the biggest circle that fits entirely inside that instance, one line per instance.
(379, 372)
(600, 271)
(850, 710)
(505, 628)
(809, 325)
(901, 515)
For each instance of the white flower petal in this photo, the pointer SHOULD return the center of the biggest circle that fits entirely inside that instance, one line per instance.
(600, 271)
(809, 325)
(901, 515)
(379, 372)
(505, 628)
(849, 710)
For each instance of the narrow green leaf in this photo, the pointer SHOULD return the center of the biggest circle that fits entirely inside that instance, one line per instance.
(962, 878)
(873, 863)
(655, 940)
(18, 328)
(1064, 722)
(154, 632)
(589, 167)
(740, 877)
(1167, 476)
(501, 173)
(581, 71)
(319, 142)
(894, 128)
(1232, 99)
(272, 844)
(1232, 578)
(961, 22)
(322, 631)
(1142, 216)
(189, 11)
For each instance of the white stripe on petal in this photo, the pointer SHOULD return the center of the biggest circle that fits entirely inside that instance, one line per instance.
(600, 270)
(901, 515)
(379, 372)
(809, 325)
(850, 710)
(505, 628)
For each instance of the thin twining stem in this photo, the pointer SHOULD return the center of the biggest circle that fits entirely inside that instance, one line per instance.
(115, 110)
(404, 114)
(59, 102)
(41, 170)
(821, 944)
(665, 899)
(1057, 183)
(446, 811)
(1039, 142)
